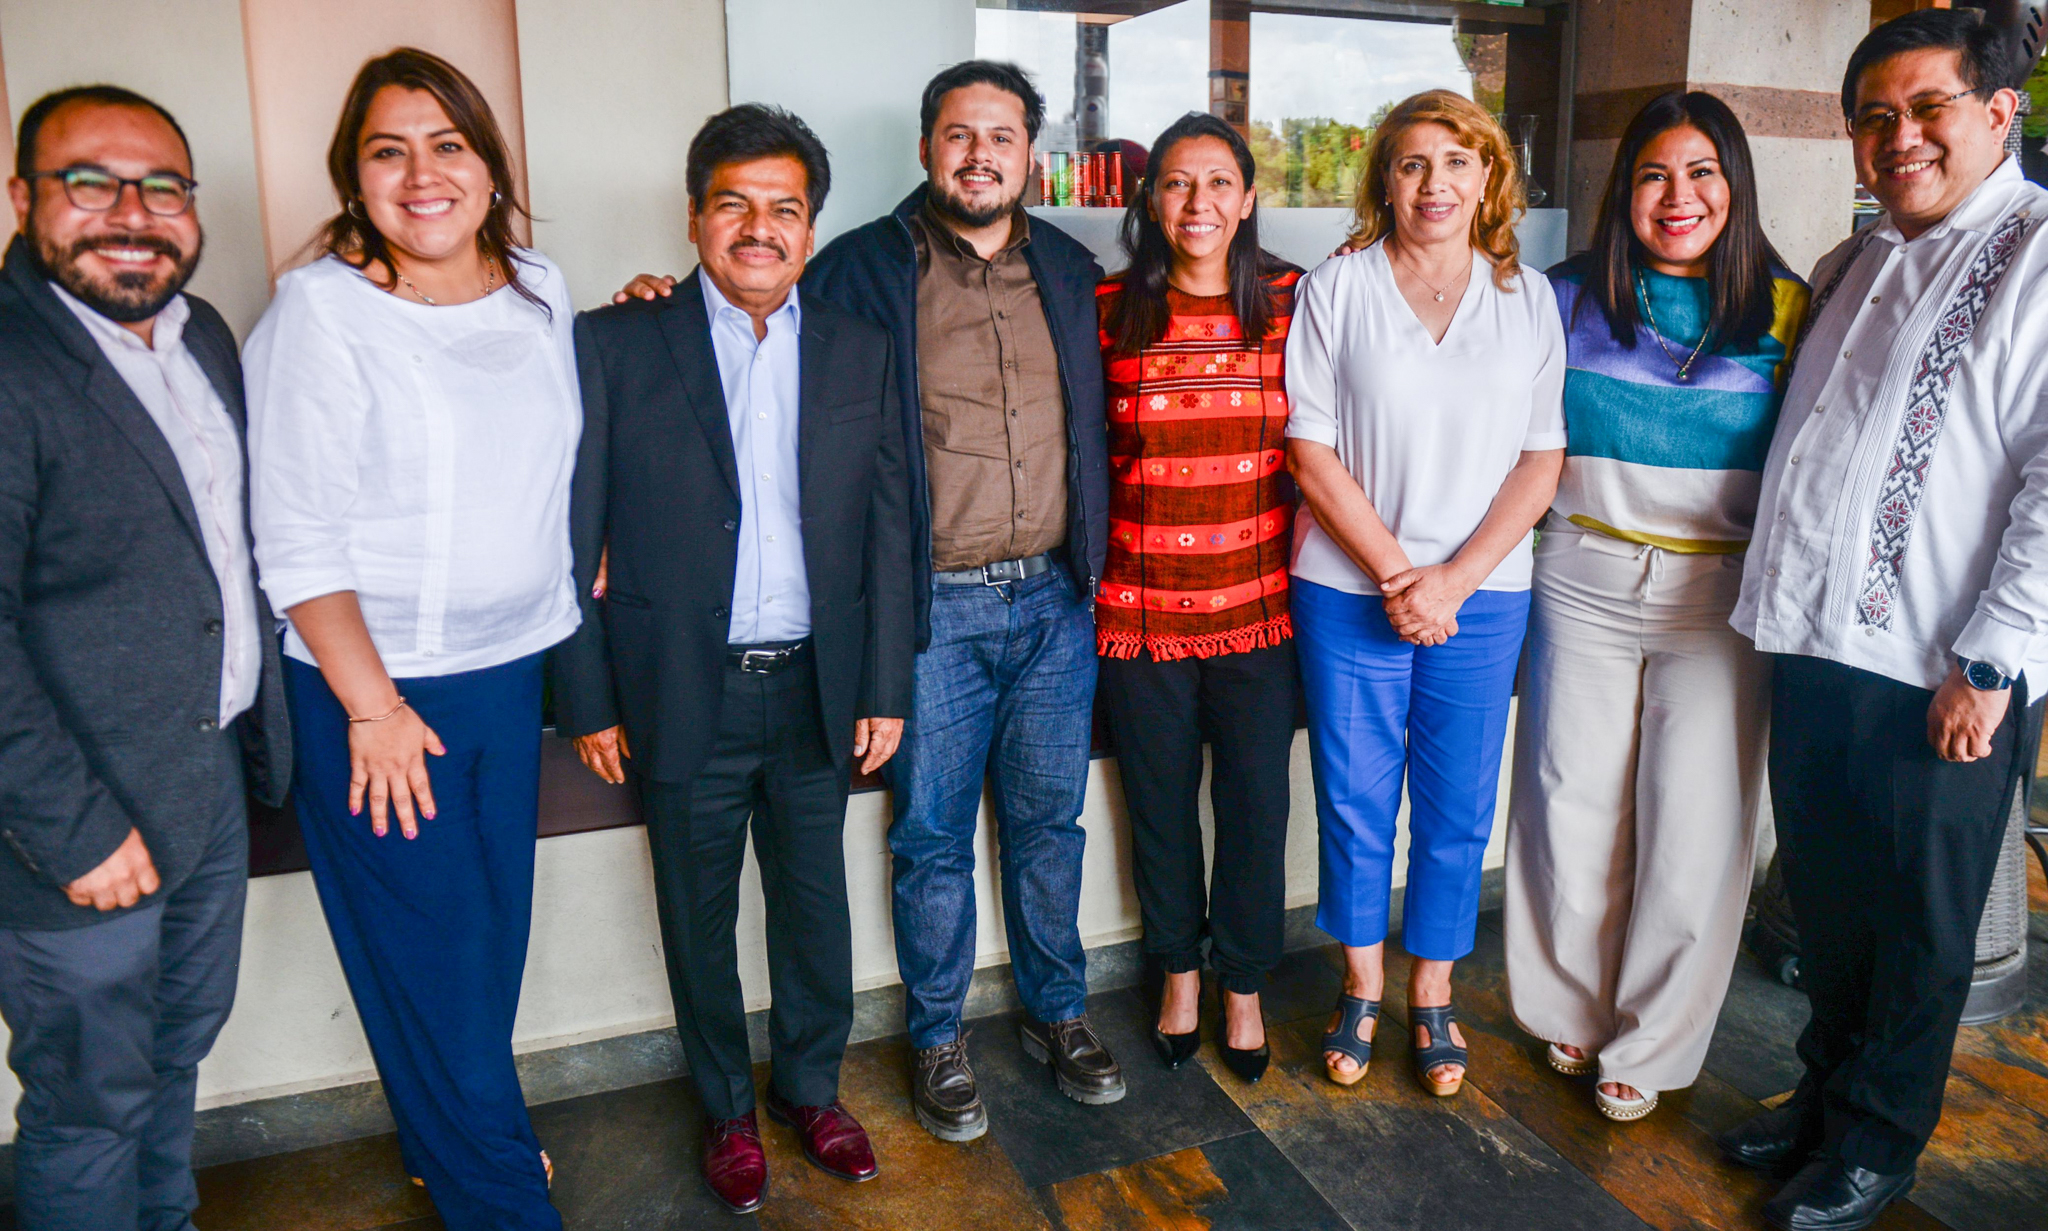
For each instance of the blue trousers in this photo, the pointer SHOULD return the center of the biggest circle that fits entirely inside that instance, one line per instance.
(1381, 711)
(432, 932)
(1005, 695)
(109, 1024)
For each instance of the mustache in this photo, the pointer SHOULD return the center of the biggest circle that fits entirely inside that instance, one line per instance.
(763, 244)
(149, 243)
(992, 172)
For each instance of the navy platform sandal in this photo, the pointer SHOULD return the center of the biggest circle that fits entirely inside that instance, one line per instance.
(1441, 1050)
(1352, 1012)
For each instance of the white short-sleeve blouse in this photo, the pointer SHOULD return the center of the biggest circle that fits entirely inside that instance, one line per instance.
(419, 456)
(1430, 430)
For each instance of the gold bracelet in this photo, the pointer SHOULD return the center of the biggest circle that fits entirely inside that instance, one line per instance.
(381, 717)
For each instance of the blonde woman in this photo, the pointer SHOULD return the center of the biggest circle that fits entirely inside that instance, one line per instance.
(1425, 372)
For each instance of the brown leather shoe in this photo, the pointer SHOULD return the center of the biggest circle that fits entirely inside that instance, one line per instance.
(1082, 1066)
(735, 1165)
(943, 1094)
(832, 1139)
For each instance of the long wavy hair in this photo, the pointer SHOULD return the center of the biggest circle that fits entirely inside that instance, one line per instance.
(350, 233)
(1493, 224)
(1740, 281)
(1138, 316)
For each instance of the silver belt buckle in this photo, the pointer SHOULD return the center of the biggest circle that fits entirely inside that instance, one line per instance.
(1002, 572)
(761, 662)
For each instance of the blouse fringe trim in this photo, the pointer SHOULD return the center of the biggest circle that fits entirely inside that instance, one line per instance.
(1120, 643)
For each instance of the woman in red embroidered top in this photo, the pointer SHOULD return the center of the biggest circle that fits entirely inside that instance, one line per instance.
(1191, 618)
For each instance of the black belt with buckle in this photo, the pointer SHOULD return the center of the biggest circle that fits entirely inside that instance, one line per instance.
(1002, 572)
(758, 660)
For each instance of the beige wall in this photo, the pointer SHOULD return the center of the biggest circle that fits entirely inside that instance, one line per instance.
(187, 55)
(614, 91)
(6, 139)
(301, 57)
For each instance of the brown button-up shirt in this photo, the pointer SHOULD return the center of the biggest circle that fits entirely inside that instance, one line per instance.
(995, 422)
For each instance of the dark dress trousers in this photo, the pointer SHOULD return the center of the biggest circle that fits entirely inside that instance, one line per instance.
(111, 626)
(714, 749)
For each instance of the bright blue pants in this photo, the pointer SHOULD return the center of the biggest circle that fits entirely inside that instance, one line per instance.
(432, 932)
(1381, 711)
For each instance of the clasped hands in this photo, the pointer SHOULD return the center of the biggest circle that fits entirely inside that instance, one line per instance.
(1422, 603)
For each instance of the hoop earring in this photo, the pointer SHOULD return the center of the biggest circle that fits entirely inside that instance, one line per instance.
(352, 209)
(496, 197)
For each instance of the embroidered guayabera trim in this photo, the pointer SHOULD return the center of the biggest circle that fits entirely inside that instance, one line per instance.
(1905, 479)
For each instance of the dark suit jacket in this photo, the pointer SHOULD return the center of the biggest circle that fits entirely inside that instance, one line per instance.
(110, 616)
(657, 479)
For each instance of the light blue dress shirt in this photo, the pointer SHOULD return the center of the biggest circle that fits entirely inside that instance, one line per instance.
(771, 593)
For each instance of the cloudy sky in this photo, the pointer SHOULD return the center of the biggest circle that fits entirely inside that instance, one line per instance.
(1340, 67)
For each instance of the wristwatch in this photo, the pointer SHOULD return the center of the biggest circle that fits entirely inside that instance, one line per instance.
(1982, 676)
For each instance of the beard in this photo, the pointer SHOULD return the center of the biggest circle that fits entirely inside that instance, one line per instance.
(945, 198)
(124, 297)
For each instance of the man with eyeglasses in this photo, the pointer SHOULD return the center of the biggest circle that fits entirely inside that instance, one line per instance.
(139, 686)
(1900, 576)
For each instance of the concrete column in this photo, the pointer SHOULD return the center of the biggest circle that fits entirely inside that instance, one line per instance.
(1230, 62)
(1779, 66)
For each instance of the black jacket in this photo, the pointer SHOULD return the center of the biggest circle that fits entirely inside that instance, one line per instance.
(110, 617)
(657, 479)
(872, 271)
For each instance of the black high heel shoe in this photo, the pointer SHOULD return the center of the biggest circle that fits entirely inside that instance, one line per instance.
(1248, 1063)
(1174, 1049)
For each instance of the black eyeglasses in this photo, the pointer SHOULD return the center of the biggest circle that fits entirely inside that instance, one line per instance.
(165, 194)
(1926, 111)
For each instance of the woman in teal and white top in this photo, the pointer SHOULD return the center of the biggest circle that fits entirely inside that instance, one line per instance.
(1639, 750)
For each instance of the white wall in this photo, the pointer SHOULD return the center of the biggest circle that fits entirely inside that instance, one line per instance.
(855, 73)
(614, 91)
(187, 55)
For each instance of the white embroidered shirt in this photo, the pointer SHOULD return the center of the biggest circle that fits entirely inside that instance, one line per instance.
(1904, 512)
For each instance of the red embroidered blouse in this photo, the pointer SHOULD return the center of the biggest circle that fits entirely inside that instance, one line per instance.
(1201, 510)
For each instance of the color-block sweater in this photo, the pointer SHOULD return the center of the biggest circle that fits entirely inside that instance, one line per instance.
(1201, 509)
(1654, 460)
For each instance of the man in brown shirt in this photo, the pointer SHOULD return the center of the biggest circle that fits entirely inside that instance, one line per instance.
(994, 319)
(995, 423)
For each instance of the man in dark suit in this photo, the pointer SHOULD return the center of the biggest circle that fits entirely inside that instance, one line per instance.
(138, 673)
(742, 460)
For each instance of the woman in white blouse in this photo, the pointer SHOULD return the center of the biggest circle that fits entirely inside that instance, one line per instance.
(1424, 376)
(413, 424)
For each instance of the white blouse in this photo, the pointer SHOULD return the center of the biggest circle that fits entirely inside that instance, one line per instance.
(1430, 430)
(419, 456)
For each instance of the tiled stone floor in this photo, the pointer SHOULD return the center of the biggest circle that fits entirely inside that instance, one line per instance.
(1520, 1148)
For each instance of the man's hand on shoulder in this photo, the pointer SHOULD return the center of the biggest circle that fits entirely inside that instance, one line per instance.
(875, 740)
(647, 286)
(126, 877)
(602, 750)
(1962, 719)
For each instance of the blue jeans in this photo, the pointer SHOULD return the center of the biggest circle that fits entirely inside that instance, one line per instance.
(1381, 711)
(1004, 693)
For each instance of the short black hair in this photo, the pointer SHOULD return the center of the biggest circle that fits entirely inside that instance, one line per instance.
(1985, 57)
(757, 130)
(40, 111)
(998, 73)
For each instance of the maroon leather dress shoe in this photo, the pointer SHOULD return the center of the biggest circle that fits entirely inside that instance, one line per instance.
(832, 1139)
(735, 1166)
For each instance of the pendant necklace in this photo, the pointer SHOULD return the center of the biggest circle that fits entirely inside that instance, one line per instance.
(490, 282)
(1685, 368)
(1433, 286)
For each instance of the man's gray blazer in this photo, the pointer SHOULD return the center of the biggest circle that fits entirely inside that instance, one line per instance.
(110, 617)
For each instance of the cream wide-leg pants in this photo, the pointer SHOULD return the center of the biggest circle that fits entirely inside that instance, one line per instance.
(1639, 763)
